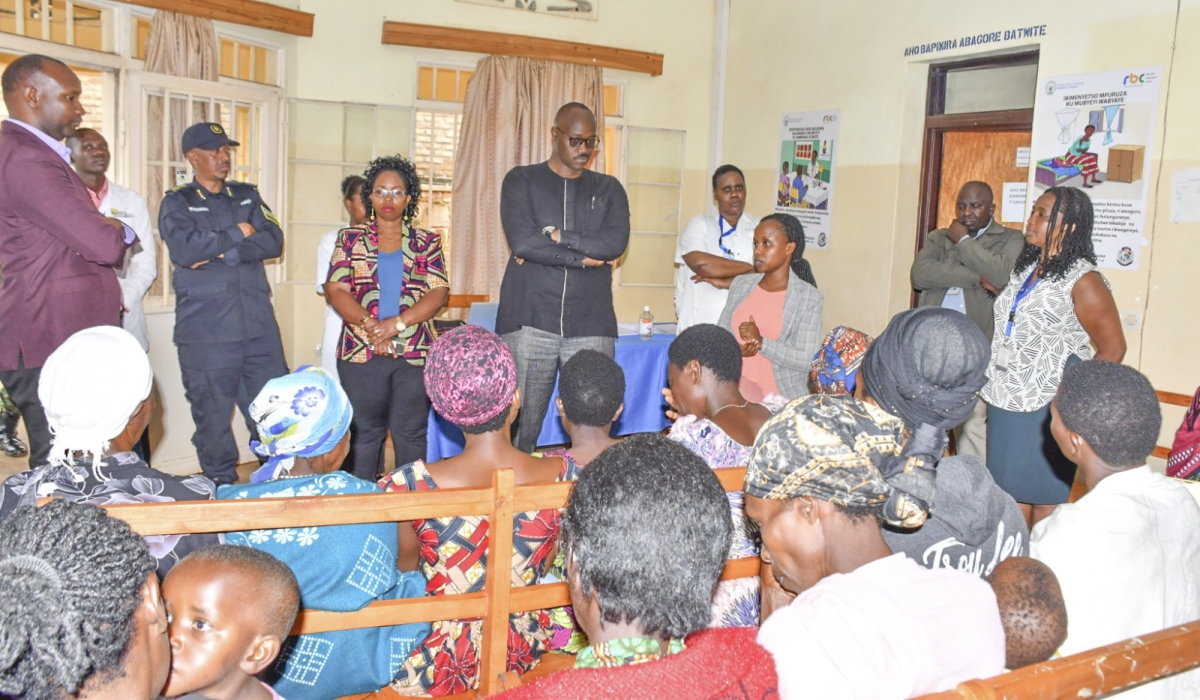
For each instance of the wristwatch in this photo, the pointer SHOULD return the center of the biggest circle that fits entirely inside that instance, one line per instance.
(548, 231)
(400, 325)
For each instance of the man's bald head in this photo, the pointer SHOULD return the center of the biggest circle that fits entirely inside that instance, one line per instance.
(975, 206)
(569, 113)
(43, 92)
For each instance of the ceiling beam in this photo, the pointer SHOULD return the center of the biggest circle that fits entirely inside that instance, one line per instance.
(250, 13)
(427, 36)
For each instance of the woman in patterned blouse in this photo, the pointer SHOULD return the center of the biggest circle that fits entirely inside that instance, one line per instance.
(387, 281)
(1056, 305)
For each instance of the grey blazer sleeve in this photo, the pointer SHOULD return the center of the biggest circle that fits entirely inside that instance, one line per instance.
(792, 354)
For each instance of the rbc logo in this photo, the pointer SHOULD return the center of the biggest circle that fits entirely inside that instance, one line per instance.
(830, 118)
(1134, 79)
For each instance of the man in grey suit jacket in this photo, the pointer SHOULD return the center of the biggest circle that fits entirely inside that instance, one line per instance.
(963, 267)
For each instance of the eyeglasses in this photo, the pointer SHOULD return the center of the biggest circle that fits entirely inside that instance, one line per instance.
(384, 194)
(576, 142)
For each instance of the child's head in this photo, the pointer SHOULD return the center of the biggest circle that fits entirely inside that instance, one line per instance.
(230, 609)
(591, 389)
(1031, 610)
(79, 607)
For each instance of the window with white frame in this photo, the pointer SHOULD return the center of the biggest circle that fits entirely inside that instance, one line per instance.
(328, 141)
(654, 183)
(63, 22)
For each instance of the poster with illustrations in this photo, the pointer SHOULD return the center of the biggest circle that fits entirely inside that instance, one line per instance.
(804, 186)
(1096, 131)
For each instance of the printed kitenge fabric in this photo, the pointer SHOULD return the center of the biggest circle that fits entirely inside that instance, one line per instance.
(119, 478)
(835, 366)
(566, 636)
(736, 602)
(1184, 462)
(453, 554)
(625, 651)
(1045, 333)
(339, 568)
(354, 262)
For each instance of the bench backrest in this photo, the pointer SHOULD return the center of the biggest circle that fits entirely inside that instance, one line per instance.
(499, 502)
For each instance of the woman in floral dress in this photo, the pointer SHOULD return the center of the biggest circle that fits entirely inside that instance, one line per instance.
(719, 424)
(471, 380)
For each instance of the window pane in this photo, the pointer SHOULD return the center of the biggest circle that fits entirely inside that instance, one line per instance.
(316, 194)
(393, 132)
(260, 64)
(33, 18)
(244, 62)
(359, 134)
(8, 16)
(228, 52)
(612, 101)
(643, 263)
(653, 208)
(141, 32)
(464, 77)
(58, 21)
(446, 85)
(991, 89)
(243, 133)
(612, 151)
(655, 156)
(425, 83)
(89, 27)
(315, 131)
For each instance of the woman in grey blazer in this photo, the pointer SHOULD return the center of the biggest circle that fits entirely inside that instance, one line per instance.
(787, 334)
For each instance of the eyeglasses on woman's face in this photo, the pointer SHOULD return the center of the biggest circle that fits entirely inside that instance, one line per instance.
(384, 193)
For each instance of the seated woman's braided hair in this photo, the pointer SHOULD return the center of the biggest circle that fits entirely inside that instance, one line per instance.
(70, 582)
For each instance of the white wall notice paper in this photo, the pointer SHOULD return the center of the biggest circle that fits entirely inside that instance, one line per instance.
(1012, 204)
(1022, 156)
(1185, 195)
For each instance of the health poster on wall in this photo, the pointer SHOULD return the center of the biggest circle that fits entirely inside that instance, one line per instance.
(805, 180)
(1096, 131)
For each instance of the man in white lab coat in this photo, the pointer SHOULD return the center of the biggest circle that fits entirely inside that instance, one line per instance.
(90, 158)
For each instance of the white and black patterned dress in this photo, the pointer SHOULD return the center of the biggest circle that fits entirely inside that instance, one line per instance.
(1046, 333)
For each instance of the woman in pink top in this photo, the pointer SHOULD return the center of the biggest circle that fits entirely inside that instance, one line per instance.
(776, 312)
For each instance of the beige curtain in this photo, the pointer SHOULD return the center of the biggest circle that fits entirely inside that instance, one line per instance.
(507, 118)
(183, 46)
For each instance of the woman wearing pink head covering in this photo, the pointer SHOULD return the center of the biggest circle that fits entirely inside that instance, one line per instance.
(472, 382)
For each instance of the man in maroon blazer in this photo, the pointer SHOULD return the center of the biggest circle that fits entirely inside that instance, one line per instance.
(57, 252)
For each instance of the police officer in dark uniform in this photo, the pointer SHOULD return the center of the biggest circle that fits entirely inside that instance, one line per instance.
(219, 233)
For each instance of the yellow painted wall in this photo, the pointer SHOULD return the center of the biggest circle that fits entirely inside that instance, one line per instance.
(857, 65)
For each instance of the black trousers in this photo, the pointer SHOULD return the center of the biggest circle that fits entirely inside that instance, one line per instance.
(22, 385)
(216, 377)
(388, 395)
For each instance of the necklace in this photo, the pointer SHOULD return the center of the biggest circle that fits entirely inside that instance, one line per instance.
(730, 405)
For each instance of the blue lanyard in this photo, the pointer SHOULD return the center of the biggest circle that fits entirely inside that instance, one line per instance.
(1024, 292)
(721, 241)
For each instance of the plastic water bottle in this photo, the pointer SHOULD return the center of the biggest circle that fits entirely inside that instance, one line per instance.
(646, 324)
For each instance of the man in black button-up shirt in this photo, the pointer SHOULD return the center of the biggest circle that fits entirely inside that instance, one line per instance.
(565, 225)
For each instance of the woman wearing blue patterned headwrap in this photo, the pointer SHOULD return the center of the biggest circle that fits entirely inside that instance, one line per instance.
(303, 422)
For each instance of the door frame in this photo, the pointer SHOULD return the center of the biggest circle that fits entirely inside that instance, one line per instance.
(938, 123)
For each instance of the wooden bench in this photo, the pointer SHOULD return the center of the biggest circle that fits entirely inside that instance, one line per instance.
(499, 502)
(1094, 673)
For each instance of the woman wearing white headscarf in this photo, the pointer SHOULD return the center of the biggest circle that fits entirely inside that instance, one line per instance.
(95, 389)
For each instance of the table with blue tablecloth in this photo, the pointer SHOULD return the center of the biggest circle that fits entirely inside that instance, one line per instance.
(645, 365)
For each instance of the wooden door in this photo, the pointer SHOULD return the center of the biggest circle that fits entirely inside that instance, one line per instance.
(987, 156)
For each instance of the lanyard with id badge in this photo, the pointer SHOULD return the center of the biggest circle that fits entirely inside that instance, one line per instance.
(1002, 353)
(721, 241)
